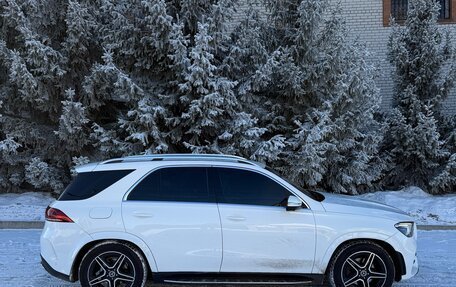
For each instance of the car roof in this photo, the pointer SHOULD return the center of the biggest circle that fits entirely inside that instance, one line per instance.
(165, 159)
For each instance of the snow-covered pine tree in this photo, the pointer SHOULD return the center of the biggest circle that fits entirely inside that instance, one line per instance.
(247, 53)
(206, 96)
(40, 175)
(142, 126)
(191, 12)
(147, 79)
(178, 56)
(211, 119)
(119, 30)
(320, 96)
(109, 91)
(33, 72)
(81, 46)
(143, 123)
(222, 13)
(155, 40)
(98, 84)
(73, 130)
(425, 71)
(33, 61)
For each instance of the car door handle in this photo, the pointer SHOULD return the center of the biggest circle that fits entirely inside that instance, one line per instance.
(142, 214)
(236, 218)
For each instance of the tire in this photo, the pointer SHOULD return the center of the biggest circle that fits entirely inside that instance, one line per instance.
(113, 264)
(361, 263)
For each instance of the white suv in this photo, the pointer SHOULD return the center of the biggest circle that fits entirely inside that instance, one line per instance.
(207, 219)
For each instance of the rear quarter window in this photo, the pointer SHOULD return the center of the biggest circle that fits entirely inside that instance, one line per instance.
(88, 184)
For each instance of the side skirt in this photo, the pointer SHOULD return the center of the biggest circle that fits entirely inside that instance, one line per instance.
(237, 278)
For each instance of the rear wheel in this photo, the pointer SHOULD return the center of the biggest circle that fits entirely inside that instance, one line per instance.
(361, 264)
(113, 264)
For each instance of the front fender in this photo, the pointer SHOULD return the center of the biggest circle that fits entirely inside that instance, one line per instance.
(323, 255)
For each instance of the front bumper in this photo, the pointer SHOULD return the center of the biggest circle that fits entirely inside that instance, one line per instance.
(407, 247)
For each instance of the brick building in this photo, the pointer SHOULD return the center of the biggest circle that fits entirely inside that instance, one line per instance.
(368, 21)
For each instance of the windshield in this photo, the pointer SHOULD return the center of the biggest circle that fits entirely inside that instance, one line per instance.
(312, 194)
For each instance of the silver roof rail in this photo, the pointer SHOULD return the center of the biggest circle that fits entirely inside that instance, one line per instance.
(182, 157)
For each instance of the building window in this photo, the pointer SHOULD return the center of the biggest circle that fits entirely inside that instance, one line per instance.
(445, 9)
(398, 10)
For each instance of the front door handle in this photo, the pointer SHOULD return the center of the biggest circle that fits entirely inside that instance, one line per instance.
(236, 218)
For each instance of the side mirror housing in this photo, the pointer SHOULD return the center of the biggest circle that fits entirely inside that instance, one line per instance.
(293, 203)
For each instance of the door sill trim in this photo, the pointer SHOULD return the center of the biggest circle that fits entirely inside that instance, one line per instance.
(233, 278)
(237, 283)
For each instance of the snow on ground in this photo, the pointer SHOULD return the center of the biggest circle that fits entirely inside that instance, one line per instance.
(29, 206)
(425, 208)
(20, 260)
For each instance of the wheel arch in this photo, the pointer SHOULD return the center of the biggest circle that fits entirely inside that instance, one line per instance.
(120, 238)
(398, 259)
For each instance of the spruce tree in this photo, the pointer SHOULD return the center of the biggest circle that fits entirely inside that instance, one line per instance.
(320, 96)
(73, 130)
(155, 43)
(423, 58)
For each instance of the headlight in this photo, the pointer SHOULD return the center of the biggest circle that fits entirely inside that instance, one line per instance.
(405, 228)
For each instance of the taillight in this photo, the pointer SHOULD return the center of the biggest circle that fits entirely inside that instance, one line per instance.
(56, 215)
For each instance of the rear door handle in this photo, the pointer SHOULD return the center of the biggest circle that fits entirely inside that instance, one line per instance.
(236, 218)
(142, 214)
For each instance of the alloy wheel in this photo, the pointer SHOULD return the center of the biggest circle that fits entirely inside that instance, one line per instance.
(364, 269)
(111, 269)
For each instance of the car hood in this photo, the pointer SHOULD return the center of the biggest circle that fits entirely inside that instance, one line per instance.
(353, 205)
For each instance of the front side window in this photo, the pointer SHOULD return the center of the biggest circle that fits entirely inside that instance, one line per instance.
(178, 184)
(237, 186)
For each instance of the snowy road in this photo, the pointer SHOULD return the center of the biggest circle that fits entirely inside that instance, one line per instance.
(20, 263)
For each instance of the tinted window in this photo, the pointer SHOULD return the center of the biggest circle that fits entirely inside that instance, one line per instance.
(88, 184)
(246, 187)
(188, 184)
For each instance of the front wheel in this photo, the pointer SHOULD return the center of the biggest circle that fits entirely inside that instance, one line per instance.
(113, 264)
(361, 264)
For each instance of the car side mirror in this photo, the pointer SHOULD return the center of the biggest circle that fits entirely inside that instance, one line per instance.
(293, 203)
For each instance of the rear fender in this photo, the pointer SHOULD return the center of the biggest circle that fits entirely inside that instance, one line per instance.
(129, 238)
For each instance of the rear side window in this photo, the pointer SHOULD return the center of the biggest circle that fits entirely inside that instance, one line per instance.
(179, 184)
(88, 184)
(239, 186)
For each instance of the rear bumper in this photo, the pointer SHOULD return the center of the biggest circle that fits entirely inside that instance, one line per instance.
(60, 244)
(53, 272)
